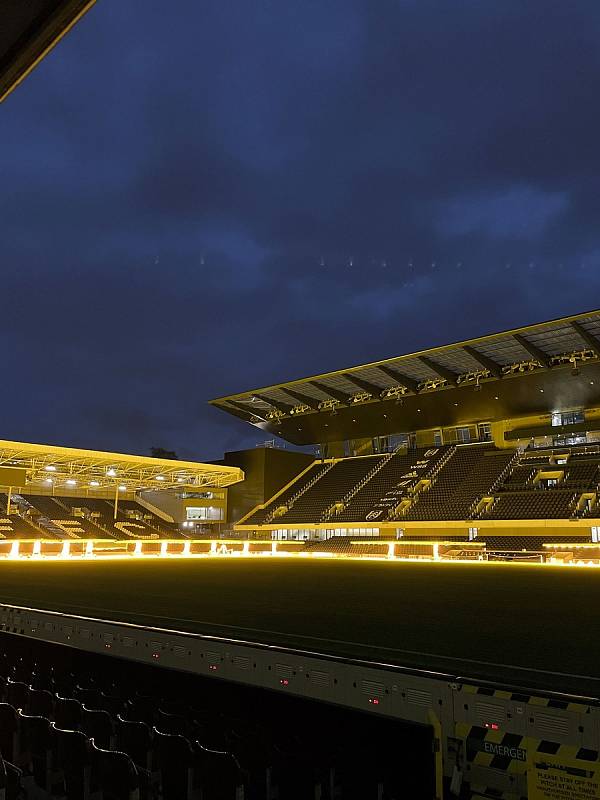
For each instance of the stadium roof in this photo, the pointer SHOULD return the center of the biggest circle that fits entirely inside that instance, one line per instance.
(70, 467)
(532, 370)
(29, 29)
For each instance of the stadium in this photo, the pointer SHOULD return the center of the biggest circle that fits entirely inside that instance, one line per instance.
(398, 600)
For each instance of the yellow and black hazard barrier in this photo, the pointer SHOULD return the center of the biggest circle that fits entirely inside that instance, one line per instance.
(545, 769)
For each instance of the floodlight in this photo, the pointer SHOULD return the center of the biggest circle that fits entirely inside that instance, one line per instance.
(111, 472)
(71, 482)
(50, 468)
(94, 483)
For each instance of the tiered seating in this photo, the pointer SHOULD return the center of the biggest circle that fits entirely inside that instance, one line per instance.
(136, 732)
(14, 526)
(345, 474)
(540, 504)
(132, 519)
(394, 481)
(57, 519)
(342, 545)
(464, 478)
(529, 543)
(260, 515)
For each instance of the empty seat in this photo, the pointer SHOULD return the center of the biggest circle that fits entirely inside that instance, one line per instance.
(41, 703)
(114, 774)
(9, 727)
(99, 726)
(135, 739)
(17, 694)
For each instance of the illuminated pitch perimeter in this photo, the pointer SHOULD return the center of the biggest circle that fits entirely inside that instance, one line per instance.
(397, 550)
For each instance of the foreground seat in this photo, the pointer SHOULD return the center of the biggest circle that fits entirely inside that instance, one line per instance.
(114, 775)
(9, 728)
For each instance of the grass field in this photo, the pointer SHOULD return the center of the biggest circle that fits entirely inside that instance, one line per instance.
(509, 623)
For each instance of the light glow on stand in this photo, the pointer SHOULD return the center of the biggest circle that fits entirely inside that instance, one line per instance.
(152, 549)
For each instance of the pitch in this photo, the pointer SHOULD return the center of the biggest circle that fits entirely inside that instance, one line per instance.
(512, 624)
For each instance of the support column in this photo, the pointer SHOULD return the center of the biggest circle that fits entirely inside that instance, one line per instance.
(8, 496)
(116, 500)
(436, 551)
(391, 550)
(66, 549)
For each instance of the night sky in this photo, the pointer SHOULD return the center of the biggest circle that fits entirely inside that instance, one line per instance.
(201, 198)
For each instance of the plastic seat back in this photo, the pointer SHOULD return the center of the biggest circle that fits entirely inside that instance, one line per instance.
(73, 754)
(17, 694)
(175, 761)
(135, 739)
(67, 713)
(98, 725)
(41, 703)
(9, 726)
(114, 774)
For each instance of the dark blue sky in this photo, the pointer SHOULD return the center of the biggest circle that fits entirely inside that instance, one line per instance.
(202, 198)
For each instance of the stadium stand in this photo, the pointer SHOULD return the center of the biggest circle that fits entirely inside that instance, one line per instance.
(466, 476)
(16, 525)
(89, 725)
(377, 497)
(56, 517)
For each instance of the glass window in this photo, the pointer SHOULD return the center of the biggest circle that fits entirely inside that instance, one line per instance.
(463, 435)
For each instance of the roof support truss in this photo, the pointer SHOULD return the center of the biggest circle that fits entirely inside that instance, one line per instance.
(486, 362)
(366, 386)
(588, 338)
(533, 350)
(410, 383)
(311, 402)
(278, 406)
(440, 370)
(334, 394)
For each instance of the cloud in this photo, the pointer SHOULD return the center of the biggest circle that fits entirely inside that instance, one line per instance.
(240, 194)
(518, 213)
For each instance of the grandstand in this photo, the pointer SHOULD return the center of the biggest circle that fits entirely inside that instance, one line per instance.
(64, 493)
(354, 624)
(495, 439)
(450, 488)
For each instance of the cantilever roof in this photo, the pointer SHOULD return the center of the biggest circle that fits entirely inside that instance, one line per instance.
(434, 387)
(29, 29)
(101, 470)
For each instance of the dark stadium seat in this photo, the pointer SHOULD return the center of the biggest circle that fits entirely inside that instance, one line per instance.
(73, 752)
(221, 777)
(68, 713)
(11, 786)
(113, 774)
(176, 763)
(99, 726)
(36, 751)
(9, 730)
(41, 703)
(135, 739)
(17, 694)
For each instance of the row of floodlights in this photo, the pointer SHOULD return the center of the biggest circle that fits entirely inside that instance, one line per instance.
(110, 473)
